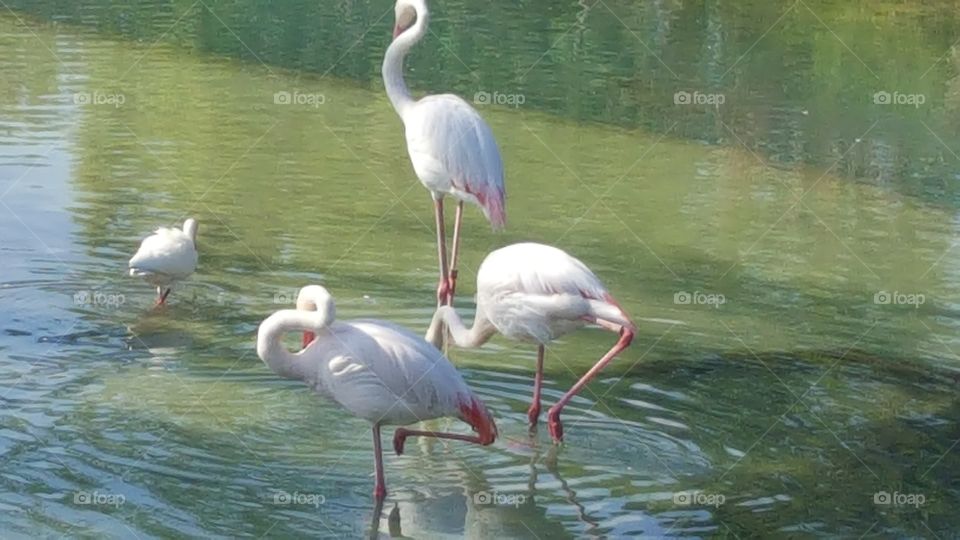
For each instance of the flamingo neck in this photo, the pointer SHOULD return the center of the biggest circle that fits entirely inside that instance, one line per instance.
(270, 347)
(315, 298)
(481, 331)
(392, 69)
(190, 228)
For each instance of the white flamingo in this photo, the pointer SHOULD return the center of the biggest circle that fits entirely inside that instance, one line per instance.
(375, 370)
(537, 293)
(452, 149)
(165, 257)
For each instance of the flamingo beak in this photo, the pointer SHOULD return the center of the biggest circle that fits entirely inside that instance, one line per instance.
(307, 338)
(480, 419)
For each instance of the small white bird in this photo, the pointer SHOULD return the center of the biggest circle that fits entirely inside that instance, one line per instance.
(452, 149)
(533, 292)
(375, 370)
(167, 256)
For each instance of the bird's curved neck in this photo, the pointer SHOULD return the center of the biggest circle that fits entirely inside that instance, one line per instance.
(190, 229)
(392, 69)
(477, 335)
(270, 347)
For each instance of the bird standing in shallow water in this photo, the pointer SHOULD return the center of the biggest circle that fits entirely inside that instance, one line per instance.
(165, 257)
(452, 149)
(375, 370)
(533, 292)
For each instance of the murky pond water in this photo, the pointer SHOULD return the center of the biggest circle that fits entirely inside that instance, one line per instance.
(771, 188)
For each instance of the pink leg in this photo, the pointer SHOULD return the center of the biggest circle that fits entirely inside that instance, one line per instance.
(162, 296)
(553, 416)
(455, 253)
(533, 413)
(443, 288)
(379, 485)
(400, 437)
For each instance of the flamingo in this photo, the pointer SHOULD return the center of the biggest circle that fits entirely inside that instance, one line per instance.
(165, 257)
(375, 370)
(452, 149)
(533, 292)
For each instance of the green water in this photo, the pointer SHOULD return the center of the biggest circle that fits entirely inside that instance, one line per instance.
(798, 199)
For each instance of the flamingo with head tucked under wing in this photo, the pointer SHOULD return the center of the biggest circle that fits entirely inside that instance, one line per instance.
(534, 292)
(452, 149)
(375, 370)
(165, 257)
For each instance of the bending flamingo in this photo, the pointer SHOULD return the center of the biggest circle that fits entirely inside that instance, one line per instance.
(538, 293)
(375, 370)
(165, 257)
(452, 149)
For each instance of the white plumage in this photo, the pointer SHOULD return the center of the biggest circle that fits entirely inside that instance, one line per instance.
(454, 153)
(375, 370)
(534, 292)
(167, 256)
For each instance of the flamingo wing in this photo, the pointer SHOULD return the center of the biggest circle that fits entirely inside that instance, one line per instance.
(386, 373)
(168, 251)
(530, 289)
(453, 151)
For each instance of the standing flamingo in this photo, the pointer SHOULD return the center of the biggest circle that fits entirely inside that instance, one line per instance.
(538, 293)
(165, 257)
(373, 369)
(452, 149)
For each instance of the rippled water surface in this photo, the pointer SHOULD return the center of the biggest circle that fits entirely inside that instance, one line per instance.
(824, 219)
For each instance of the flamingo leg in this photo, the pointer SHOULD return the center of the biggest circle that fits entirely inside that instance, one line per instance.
(553, 416)
(443, 288)
(379, 485)
(455, 253)
(162, 295)
(400, 437)
(533, 413)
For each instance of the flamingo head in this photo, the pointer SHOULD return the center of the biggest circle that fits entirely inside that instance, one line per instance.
(406, 13)
(475, 413)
